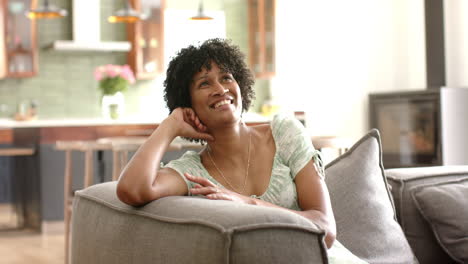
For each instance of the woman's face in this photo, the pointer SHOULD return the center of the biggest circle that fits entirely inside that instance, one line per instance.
(216, 97)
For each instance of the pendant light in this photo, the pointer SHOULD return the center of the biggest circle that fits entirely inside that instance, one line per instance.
(125, 15)
(46, 11)
(201, 15)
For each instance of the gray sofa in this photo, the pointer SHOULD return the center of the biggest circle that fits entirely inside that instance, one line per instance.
(427, 229)
(198, 230)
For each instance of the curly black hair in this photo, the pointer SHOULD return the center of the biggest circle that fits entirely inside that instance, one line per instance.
(193, 59)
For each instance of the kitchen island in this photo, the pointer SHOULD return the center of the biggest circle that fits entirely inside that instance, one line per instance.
(39, 179)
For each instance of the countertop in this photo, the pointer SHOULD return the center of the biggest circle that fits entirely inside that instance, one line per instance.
(71, 122)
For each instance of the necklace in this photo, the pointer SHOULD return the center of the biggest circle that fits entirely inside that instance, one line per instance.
(246, 170)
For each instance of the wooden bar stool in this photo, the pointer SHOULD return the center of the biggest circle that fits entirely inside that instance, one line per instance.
(8, 152)
(15, 152)
(88, 148)
(121, 146)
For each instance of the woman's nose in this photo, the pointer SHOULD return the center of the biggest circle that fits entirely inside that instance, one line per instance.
(219, 89)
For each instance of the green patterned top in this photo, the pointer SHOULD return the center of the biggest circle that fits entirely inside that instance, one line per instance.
(294, 150)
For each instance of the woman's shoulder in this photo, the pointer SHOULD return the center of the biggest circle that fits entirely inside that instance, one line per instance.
(278, 122)
(281, 127)
(284, 125)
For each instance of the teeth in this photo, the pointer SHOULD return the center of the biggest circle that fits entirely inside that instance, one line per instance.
(218, 104)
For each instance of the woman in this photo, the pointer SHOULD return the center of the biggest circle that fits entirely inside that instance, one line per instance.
(207, 88)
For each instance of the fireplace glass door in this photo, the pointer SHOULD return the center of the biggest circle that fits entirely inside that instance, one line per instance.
(409, 124)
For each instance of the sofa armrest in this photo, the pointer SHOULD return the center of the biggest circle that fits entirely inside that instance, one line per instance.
(181, 229)
(418, 232)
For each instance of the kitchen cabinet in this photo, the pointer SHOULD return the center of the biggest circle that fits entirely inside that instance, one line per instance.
(6, 138)
(18, 39)
(147, 39)
(262, 37)
(18, 182)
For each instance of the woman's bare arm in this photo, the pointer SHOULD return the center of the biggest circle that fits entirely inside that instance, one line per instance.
(314, 200)
(142, 180)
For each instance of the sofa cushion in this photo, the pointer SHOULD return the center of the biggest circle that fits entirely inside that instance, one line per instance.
(362, 204)
(444, 206)
(417, 230)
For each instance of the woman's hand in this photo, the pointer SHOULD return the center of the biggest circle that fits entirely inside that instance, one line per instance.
(211, 191)
(188, 124)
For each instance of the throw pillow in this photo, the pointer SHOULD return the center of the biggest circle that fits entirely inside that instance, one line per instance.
(363, 206)
(444, 206)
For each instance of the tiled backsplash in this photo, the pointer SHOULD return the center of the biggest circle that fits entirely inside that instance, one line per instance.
(65, 87)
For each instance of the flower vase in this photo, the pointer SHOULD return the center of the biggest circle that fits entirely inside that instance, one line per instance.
(113, 105)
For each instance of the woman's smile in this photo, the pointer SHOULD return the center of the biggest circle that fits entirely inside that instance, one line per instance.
(222, 104)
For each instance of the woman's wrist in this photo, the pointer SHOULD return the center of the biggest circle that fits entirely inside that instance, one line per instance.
(169, 127)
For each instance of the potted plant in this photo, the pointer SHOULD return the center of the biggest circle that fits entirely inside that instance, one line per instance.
(113, 80)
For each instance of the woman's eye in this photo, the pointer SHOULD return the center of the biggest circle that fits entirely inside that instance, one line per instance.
(227, 78)
(203, 84)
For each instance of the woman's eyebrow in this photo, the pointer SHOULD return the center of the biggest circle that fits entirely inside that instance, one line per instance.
(222, 71)
(202, 77)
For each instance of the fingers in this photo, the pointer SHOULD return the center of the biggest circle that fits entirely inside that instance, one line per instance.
(192, 127)
(199, 125)
(210, 190)
(213, 193)
(193, 119)
(207, 188)
(200, 180)
(219, 196)
(204, 190)
(189, 116)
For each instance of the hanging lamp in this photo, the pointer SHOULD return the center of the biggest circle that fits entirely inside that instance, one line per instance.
(201, 15)
(47, 11)
(125, 15)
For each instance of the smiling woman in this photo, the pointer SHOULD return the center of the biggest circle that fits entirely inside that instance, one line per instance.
(208, 87)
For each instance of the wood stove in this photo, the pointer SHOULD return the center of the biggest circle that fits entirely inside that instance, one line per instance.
(422, 128)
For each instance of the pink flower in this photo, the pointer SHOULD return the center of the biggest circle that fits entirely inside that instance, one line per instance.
(108, 71)
(127, 74)
(112, 70)
(98, 73)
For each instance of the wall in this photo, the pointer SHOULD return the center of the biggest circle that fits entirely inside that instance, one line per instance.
(332, 54)
(64, 86)
(456, 40)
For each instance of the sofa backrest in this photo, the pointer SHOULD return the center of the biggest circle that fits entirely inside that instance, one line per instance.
(181, 229)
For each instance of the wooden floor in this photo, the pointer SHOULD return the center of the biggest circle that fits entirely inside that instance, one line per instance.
(25, 246)
(21, 247)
